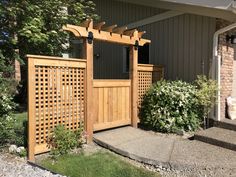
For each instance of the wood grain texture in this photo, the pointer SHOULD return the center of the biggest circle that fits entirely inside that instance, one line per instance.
(56, 95)
(31, 110)
(112, 103)
(89, 87)
(134, 83)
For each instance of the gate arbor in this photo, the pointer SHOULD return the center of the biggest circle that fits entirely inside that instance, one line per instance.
(63, 91)
(116, 100)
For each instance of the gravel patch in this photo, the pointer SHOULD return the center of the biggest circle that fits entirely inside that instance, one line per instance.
(13, 166)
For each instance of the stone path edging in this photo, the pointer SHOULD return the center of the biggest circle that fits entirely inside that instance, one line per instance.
(179, 154)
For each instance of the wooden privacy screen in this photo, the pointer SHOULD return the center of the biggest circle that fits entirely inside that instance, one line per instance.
(62, 91)
(56, 96)
(112, 105)
(147, 75)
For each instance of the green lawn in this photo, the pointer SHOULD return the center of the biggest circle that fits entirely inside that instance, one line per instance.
(20, 118)
(100, 164)
(20, 129)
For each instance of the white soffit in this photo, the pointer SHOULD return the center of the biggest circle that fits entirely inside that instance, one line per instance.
(222, 8)
(218, 4)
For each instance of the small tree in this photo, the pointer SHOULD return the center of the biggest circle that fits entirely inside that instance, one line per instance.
(206, 95)
(34, 27)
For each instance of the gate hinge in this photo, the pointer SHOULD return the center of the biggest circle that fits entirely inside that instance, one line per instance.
(136, 45)
(90, 37)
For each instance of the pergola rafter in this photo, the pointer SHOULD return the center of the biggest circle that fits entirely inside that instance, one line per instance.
(111, 33)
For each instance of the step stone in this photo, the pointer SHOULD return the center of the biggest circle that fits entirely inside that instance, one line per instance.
(226, 124)
(218, 136)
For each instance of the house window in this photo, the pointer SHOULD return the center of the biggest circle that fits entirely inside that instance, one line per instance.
(143, 56)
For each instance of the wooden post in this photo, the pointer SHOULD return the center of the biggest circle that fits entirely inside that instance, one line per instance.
(134, 83)
(31, 111)
(88, 47)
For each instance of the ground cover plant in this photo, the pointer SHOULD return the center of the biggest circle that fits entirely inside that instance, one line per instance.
(98, 164)
(61, 140)
(173, 106)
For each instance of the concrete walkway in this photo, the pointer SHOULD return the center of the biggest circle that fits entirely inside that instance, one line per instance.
(168, 151)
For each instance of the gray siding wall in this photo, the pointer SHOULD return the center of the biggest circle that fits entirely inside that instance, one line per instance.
(183, 44)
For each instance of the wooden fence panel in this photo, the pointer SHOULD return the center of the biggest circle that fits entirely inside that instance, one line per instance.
(56, 96)
(147, 75)
(112, 103)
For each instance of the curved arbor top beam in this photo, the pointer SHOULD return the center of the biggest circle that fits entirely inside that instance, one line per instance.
(116, 36)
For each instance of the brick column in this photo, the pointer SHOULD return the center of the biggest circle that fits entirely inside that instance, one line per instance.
(226, 51)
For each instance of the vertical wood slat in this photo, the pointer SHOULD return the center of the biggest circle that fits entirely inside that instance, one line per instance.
(31, 110)
(78, 100)
(39, 100)
(105, 108)
(52, 77)
(100, 102)
(89, 87)
(73, 103)
(134, 84)
(119, 102)
(112, 105)
(44, 105)
(115, 102)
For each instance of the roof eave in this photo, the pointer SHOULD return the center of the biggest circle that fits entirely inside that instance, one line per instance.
(187, 8)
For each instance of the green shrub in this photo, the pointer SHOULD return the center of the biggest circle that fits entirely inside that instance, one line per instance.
(22, 153)
(206, 95)
(7, 121)
(7, 132)
(170, 106)
(61, 140)
(6, 102)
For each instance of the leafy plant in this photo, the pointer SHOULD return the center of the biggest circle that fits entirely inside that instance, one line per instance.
(20, 129)
(34, 27)
(61, 140)
(206, 95)
(6, 103)
(170, 106)
(23, 153)
(7, 132)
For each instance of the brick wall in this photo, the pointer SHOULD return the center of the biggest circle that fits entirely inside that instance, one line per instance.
(234, 79)
(226, 50)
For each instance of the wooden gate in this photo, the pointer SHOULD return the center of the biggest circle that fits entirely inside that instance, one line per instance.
(111, 103)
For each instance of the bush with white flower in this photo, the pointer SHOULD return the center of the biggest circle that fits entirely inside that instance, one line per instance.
(171, 106)
(7, 133)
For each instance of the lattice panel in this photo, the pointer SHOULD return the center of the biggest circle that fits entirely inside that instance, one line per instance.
(59, 99)
(144, 83)
(147, 75)
(156, 76)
